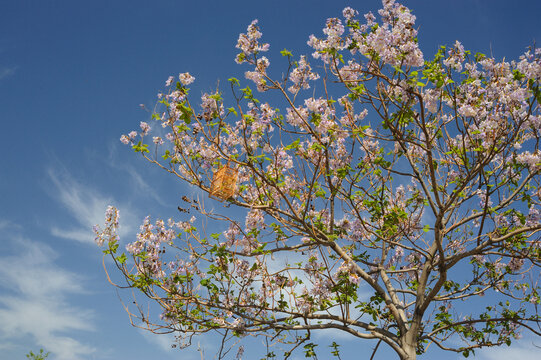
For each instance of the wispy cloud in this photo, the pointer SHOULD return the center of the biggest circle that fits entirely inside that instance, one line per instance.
(162, 341)
(5, 72)
(524, 349)
(165, 341)
(134, 177)
(37, 304)
(86, 206)
(5, 224)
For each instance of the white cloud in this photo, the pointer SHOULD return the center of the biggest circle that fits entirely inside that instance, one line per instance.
(134, 179)
(524, 349)
(5, 72)
(142, 185)
(37, 304)
(165, 341)
(86, 206)
(5, 224)
(162, 341)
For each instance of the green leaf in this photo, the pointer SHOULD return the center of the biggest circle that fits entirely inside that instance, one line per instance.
(293, 145)
(186, 113)
(426, 228)
(122, 258)
(286, 52)
(140, 147)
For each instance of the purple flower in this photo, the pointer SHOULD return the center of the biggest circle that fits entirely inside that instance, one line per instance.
(456, 57)
(534, 217)
(354, 278)
(249, 43)
(531, 160)
(145, 127)
(111, 226)
(301, 75)
(124, 139)
(186, 79)
(232, 233)
(515, 264)
(349, 13)
(254, 219)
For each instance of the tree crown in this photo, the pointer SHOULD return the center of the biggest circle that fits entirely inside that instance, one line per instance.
(388, 189)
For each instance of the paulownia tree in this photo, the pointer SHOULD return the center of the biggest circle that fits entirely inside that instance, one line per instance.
(384, 200)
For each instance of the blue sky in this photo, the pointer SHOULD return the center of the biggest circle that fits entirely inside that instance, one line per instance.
(72, 76)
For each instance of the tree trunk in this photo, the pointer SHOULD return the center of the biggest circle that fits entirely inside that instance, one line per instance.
(409, 345)
(410, 353)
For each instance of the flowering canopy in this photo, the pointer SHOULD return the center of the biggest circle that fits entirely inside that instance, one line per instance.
(413, 180)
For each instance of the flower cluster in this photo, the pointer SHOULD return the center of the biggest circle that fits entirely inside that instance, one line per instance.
(456, 57)
(211, 108)
(150, 240)
(186, 79)
(301, 75)
(111, 226)
(532, 161)
(394, 41)
(249, 44)
(258, 76)
(334, 30)
(255, 219)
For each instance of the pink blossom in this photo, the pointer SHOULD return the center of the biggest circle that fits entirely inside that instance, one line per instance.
(186, 79)
(145, 128)
(254, 219)
(456, 57)
(533, 161)
(515, 264)
(112, 216)
(301, 75)
(467, 110)
(249, 43)
(534, 216)
(349, 13)
(124, 139)
(297, 116)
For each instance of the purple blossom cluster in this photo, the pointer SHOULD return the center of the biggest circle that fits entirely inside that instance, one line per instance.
(186, 79)
(456, 57)
(249, 44)
(211, 108)
(515, 264)
(334, 30)
(484, 198)
(531, 160)
(301, 75)
(394, 41)
(258, 76)
(347, 271)
(150, 241)
(109, 233)
(255, 219)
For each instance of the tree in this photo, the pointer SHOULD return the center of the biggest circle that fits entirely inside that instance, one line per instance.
(39, 356)
(414, 180)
